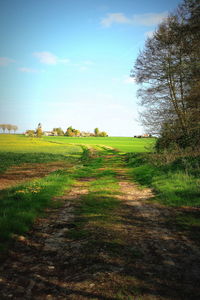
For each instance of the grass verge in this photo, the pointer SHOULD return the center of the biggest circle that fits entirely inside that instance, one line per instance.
(19, 206)
(176, 184)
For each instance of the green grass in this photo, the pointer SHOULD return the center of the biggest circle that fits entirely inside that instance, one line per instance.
(8, 159)
(175, 185)
(98, 205)
(18, 149)
(123, 144)
(19, 206)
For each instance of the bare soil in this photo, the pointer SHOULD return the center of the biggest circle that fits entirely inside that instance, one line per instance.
(170, 266)
(149, 258)
(18, 174)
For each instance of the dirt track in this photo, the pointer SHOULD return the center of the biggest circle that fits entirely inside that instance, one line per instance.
(155, 261)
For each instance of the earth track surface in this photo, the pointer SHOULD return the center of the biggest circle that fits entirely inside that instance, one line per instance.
(139, 256)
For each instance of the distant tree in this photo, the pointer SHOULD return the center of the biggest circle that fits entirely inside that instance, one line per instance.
(59, 131)
(72, 132)
(14, 128)
(96, 131)
(3, 126)
(103, 134)
(69, 131)
(9, 127)
(30, 133)
(77, 132)
(38, 131)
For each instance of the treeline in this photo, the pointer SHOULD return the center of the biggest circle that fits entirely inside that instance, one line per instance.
(75, 132)
(70, 132)
(168, 70)
(8, 127)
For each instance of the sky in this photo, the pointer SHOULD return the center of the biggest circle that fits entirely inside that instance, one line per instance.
(67, 62)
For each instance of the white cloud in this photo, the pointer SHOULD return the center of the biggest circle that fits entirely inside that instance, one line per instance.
(4, 61)
(49, 58)
(114, 18)
(149, 19)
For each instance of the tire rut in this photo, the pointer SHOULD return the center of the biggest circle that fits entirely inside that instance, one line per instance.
(34, 266)
(171, 261)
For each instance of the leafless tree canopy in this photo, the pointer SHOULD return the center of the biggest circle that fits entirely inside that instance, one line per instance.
(168, 72)
(8, 127)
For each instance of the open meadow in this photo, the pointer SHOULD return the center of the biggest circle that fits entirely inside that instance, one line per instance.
(122, 144)
(78, 209)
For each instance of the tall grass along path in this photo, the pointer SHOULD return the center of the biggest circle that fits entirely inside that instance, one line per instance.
(106, 240)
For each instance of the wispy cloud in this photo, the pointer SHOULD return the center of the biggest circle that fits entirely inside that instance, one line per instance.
(49, 58)
(84, 65)
(4, 61)
(149, 19)
(29, 70)
(110, 19)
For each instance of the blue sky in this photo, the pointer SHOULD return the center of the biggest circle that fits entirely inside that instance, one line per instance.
(67, 62)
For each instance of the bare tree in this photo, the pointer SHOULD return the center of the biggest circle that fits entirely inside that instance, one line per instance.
(3, 127)
(14, 128)
(9, 127)
(167, 71)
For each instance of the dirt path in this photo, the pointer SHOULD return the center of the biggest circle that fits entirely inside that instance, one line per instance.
(33, 267)
(170, 267)
(137, 256)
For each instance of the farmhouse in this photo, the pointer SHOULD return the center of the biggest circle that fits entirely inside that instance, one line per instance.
(145, 135)
(50, 133)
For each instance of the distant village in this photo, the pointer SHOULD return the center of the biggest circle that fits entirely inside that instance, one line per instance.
(70, 132)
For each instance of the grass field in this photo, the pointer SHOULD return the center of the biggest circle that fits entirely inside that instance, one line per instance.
(123, 144)
(18, 149)
(48, 149)
(21, 143)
